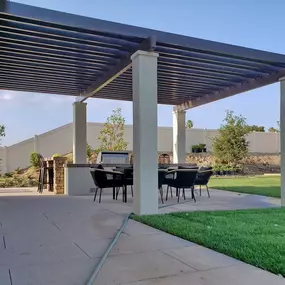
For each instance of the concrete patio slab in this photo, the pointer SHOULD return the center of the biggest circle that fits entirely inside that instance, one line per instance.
(46, 239)
(201, 258)
(134, 228)
(69, 272)
(126, 268)
(185, 263)
(233, 275)
(4, 276)
(143, 243)
(53, 239)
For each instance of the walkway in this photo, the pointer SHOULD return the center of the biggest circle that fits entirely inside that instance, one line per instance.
(59, 240)
(146, 256)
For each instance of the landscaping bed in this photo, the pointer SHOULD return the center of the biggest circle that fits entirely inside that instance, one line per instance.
(20, 178)
(258, 185)
(256, 237)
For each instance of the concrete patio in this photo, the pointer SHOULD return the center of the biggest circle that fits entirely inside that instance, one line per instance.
(59, 240)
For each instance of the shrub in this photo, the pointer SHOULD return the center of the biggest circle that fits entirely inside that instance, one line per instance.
(18, 181)
(8, 175)
(18, 170)
(56, 155)
(69, 158)
(35, 159)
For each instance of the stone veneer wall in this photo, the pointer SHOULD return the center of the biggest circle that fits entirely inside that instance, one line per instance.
(57, 163)
(207, 159)
(58, 184)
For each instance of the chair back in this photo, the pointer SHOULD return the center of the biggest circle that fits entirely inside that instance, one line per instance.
(193, 166)
(99, 176)
(185, 178)
(205, 174)
(161, 177)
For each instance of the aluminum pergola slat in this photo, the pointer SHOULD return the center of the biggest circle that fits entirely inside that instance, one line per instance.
(47, 51)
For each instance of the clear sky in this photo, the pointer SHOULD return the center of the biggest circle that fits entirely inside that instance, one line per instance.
(250, 23)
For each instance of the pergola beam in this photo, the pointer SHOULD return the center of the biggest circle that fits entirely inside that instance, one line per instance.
(123, 64)
(230, 91)
(55, 18)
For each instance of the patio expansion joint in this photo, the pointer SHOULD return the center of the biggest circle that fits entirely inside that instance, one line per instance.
(174, 275)
(10, 277)
(202, 270)
(161, 250)
(112, 212)
(52, 222)
(4, 242)
(82, 250)
(150, 250)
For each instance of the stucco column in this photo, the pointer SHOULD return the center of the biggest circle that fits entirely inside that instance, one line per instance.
(145, 132)
(282, 139)
(179, 137)
(79, 132)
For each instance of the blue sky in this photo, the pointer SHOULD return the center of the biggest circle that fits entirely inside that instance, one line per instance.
(250, 23)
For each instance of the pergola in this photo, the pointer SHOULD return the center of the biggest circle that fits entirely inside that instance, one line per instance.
(46, 51)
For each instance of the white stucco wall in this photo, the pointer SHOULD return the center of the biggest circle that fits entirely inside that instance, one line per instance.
(2, 161)
(60, 141)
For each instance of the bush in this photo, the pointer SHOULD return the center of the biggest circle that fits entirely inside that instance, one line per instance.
(69, 158)
(89, 151)
(35, 159)
(8, 175)
(18, 170)
(17, 181)
(56, 155)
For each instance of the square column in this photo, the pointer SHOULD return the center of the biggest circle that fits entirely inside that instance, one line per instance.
(145, 132)
(282, 139)
(179, 137)
(79, 132)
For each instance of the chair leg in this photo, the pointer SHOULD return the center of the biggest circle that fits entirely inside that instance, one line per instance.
(200, 190)
(100, 195)
(126, 193)
(171, 192)
(117, 192)
(132, 190)
(208, 191)
(178, 193)
(95, 194)
(193, 195)
(167, 193)
(161, 195)
(184, 194)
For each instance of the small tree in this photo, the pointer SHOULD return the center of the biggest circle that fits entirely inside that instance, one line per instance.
(89, 151)
(230, 146)
(112, 135)
(35, 159)
(2, 132)
(189, 124)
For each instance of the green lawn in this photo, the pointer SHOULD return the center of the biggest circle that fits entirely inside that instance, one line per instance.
(256, 237)
(260, 185)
